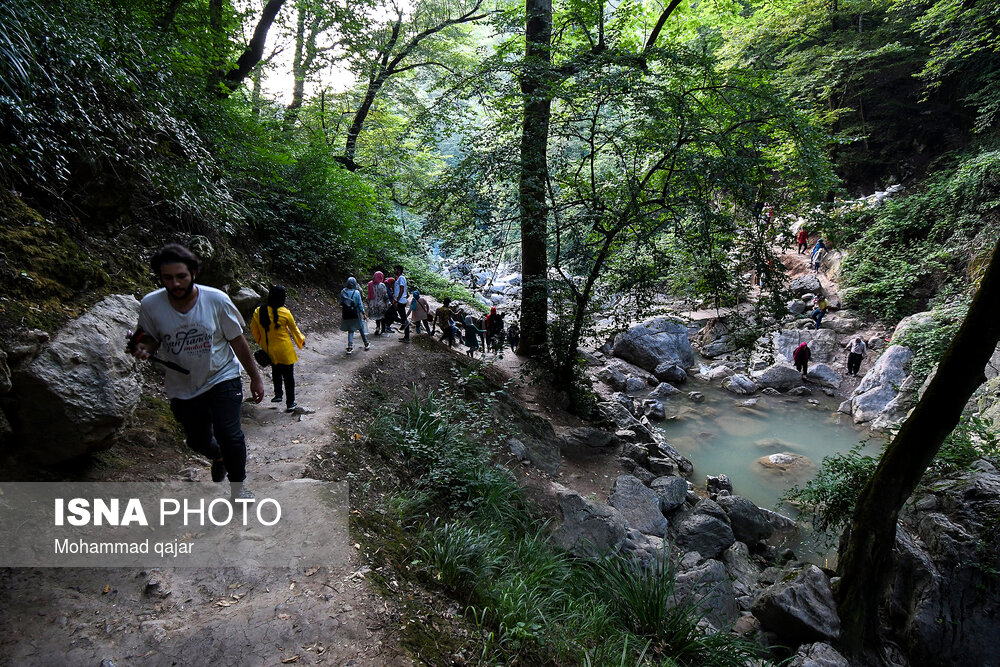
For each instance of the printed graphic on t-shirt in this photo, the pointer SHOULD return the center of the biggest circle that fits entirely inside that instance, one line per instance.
(189, 340)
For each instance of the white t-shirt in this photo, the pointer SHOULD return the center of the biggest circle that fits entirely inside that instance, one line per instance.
(857, 347)
(399, 289)
(197, 340)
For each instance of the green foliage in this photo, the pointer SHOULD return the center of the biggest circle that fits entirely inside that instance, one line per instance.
(834, 491)
(913, 246)
(529, 602)
(972, 439)
(929, 340)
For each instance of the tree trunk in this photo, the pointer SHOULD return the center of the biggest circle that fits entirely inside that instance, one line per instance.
(866, 561)
(251, 55)
(298, 68)
(534, 172)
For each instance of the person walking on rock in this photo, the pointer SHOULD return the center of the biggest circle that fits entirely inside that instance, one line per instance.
(274, 329)
(353, 314)
(801, 357)
(443, 319)
(856, 351)
(198, 328)
(494, 332)
(802, 238)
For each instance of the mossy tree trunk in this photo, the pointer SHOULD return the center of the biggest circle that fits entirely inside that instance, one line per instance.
(866, 560)
(535, 83)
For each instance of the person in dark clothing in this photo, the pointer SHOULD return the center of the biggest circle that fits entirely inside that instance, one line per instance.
(513, 336)
(801, 357)
(494, 332)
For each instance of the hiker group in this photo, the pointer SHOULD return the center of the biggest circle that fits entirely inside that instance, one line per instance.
(391, 302)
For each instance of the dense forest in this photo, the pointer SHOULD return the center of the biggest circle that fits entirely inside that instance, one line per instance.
(608, 151)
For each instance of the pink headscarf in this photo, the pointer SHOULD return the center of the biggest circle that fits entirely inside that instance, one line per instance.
(376, 279)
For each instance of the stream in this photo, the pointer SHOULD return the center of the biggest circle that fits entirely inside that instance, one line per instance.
(720, 436)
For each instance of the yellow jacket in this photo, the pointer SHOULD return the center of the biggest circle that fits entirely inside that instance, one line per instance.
(278, 342)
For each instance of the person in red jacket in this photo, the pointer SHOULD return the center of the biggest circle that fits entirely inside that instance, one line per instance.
(803, 240)
(801, 357)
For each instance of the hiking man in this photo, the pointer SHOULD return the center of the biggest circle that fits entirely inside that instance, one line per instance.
(443, 318)
(856, 350)
(199, 329)
(399, 299)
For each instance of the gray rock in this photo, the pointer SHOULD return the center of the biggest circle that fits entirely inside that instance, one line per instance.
(246, 301)
(705, 533)
(911, 323)
(664, 390)
(718, 347)
(818, 655)
(518, 449)
(824, 376)
(741, 569)
(623, 420)
(796, 306)
(740, 384)
(662, 466)
(779, 522)
(786, 463)
(800, 608)
(719, 372)
(635, 453)
(670, 372)
(625, 400)
(631, 370)
(771, 391)
(591, 359)
(780, 345)
(612, 377)
(588, 528)
(696, 396)
(685, 466)
(876, 396)
(716, 483)
(748, 522)
(708, 586)
(779, 377)
(639, 505)
(643, 475)
(655, 342)
(804, 284)
(751, 403)
(584, 441)
(634, 384)
(80, 388)
(671, 490)
(942, 601)
(842, 325)
(800, 391)
(653, 409)
(876, 343)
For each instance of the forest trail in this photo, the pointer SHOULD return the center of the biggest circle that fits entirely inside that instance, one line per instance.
(223, 616)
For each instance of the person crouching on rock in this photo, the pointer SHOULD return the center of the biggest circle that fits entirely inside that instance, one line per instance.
(198, 328)
(353, 314)
(801, 357)
(274, 329)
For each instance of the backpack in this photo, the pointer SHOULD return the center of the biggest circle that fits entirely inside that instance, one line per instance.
(348, 309)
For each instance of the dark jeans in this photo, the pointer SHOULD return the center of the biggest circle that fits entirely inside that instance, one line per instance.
(211, 423)
(802, 248)
(284, 373)
(403, 320)
(853, 363)
(802, 367)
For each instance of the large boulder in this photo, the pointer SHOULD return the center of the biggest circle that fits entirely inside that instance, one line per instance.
(942, 601)
(824, 376)
(742, 570)
(708, 587)
(796, 306)
(623, 420)
(671, 490)
(584, 441)
(639, 505)
(588, 528)
(779, 376)
(612, 377)
(806, 284)
(818, 655)
(705, 531)
(799, 607)
(246, 301)
(81, 387)
(670, 372)
(740, 384)
(664, 390)
(878, 395)
(779, 346)
(749, 524)
(658, 341)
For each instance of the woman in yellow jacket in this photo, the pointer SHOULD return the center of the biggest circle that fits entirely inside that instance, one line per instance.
(273, 327)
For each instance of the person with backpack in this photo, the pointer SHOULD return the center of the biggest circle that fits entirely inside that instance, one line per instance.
(443, 318)
(420, 311)
(274, 329)
(801, 357)
(353, 314)
(513, 336)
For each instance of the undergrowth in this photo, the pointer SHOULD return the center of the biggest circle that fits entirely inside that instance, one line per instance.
(469, 529)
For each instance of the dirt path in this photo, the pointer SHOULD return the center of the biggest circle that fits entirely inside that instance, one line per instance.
(223, 616)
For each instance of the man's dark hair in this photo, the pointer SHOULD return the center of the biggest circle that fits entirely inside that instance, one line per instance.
(174, 253)
(447, 301)
(398, 267)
